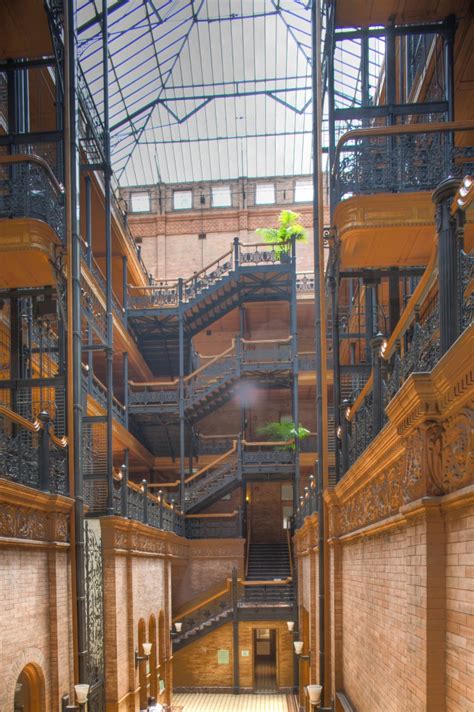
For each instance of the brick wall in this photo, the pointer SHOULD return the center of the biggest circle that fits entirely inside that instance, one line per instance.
(196, 665)
(265, 513)
(36, 614)
(460, 610)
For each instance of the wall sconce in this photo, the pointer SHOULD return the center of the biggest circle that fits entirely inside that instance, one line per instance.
(82, 693)
(314, 693)
(178, 625)
(291, 626)
(298, 645)
(146, 653)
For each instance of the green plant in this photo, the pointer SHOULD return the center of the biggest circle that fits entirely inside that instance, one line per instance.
(283, 432)
(289, 227)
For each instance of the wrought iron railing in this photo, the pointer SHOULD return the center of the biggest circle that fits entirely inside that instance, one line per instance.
(31, 454)
(166, 294)
(414, 346)
(95, 388)
(29, 189)
(412, 157)
(249, 357)
(215, 526)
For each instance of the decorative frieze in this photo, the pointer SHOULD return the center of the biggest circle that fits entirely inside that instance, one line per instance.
(39, 517)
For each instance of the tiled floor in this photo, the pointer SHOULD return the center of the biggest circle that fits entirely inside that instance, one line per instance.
(231, 703)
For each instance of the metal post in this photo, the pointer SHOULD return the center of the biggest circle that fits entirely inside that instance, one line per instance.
(377, 389)
(236, 253)
(182, 452)
(108, 255)
(125, 289)
(71, 141)
(449, 64)
(125, 387)
(319, 312)
(448, 267)
(88, 221)
(235, 631)
(333, 284)
(344, 435)
(145, 501)
(124, 484)
(393, 298)
(43, 460)
(294, 359)
(369, 319)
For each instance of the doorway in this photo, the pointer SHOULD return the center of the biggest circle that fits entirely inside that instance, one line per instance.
(264, 660)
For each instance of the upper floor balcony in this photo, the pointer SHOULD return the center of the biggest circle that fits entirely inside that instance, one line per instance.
(382, 178)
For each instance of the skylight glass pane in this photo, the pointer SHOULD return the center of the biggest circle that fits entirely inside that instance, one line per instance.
(221, 196)
(140, 202)
(303, 191)
(183, 199)
(264, 194)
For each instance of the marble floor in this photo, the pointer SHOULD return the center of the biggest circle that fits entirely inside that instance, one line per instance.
(230, 703)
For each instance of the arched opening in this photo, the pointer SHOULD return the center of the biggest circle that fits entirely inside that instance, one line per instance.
(29, 690)
(153, 657)
(142, 665)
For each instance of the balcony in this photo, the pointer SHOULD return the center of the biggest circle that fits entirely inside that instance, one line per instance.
(383, 178)
(31, 221)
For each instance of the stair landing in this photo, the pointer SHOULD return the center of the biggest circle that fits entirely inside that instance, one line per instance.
(212, 702)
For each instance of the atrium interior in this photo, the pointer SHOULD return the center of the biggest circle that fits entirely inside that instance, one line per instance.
(236, 356)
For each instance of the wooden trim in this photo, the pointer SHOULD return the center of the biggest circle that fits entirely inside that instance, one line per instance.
(464, 197)
(32, 158)
(161, 485)
(211, 264)
(33, 427)
(217, 515)
(188, 611)
(267, 341)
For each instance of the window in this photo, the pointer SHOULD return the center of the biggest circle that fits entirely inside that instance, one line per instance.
(183, 199)
(140, 202)
(221, 196)
(303, 191)
(264, 194)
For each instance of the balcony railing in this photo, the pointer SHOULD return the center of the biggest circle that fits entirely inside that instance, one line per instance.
(397, 159)
(31, 454)
(167, 294)
(414, 346)
(29, 189)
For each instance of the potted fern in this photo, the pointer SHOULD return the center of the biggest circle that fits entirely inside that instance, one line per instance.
(284, 432)
(281, 236)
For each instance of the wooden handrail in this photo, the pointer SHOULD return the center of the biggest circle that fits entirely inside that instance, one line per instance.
(267, 341)
(263, 244)
(214, 515)
(201, 604)
(32, 158)
(163, 284)
(213, 360)
(399, 130)
(102, 386)
(227, 436)
(33, 427)
(165, 485)
(204, 269)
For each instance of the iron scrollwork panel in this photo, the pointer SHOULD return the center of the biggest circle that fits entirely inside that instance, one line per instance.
(94, 618)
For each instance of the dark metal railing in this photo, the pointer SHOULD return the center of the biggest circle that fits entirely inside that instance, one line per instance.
(413, 157)
(171, 293)
(31, 454)
(29, 189)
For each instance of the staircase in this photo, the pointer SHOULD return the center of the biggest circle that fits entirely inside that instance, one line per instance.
(268, 562)
(217, 481)
(245, 273)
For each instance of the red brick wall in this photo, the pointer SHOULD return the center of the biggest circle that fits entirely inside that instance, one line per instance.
(265, 513)
(460, 610)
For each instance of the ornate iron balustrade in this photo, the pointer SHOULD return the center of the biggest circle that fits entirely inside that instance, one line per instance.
(204, 618)
(399, 159)
(93, 312)
(29, 189)
(265, 594)
(214, 445)
(266, 455)
(31, 454)
(171, 293)
(216, 527)
(98, 391)
(304, 283)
